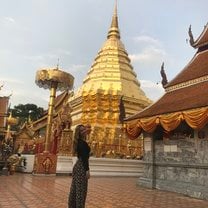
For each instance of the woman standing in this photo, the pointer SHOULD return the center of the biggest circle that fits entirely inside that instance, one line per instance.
(80, 173)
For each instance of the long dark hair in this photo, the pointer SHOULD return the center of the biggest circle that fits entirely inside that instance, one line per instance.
(77, 136)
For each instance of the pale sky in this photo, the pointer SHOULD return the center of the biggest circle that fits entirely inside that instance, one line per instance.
(36, 33)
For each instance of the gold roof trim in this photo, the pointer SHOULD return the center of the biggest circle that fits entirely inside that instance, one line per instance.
(187, 84)
(195, 118)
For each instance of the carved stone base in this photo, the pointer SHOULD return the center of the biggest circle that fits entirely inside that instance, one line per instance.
(45, 163)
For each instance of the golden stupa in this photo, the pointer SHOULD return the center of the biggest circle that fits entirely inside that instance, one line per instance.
(110, 78)
(110, 82)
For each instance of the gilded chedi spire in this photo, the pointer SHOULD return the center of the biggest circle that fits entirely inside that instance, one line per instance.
(109, 81)
(112, 69)
(114, 30)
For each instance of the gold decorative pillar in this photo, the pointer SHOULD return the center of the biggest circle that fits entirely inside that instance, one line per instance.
(53, 79)
(50, 115)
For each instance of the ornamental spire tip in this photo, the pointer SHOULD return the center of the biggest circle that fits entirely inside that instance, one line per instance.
(114, 29)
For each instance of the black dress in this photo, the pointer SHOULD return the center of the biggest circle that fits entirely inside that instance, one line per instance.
(78, 191)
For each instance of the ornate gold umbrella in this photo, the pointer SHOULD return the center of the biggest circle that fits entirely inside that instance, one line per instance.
(53, 79)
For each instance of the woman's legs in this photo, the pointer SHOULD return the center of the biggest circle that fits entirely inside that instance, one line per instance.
(78, 191)
(72, 195)
(81, 189)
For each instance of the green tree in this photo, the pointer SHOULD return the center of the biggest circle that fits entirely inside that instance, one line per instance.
(26, 112)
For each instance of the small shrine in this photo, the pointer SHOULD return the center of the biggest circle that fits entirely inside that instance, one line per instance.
(31, 137)
(8, 162)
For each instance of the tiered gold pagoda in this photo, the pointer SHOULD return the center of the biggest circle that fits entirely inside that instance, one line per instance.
(110, 77)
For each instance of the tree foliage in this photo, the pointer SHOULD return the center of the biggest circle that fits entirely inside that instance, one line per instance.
(27, 112)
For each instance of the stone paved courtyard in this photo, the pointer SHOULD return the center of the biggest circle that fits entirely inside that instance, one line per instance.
(27, 191)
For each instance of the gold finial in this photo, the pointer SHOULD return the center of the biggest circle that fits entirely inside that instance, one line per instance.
(10, 114)
(114, 30)
(57, 66)
(11, 120)
(115, 8)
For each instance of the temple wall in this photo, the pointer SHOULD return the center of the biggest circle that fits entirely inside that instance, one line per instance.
(178, 165)
(3, 110)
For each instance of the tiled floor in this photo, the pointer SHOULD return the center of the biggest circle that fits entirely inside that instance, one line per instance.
(27, 191)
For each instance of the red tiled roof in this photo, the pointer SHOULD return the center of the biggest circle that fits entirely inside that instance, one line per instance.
(60, 98)
(191, 97)
(58, 102)
(197, 67)
(202, 39)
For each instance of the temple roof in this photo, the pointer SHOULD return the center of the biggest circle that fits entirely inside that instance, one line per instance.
(186, 91)
(182, 99)
(58, 103)
(4, 101)
(202, 39)
(196, 68)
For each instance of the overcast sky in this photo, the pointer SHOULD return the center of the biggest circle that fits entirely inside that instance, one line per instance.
(36, 33)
